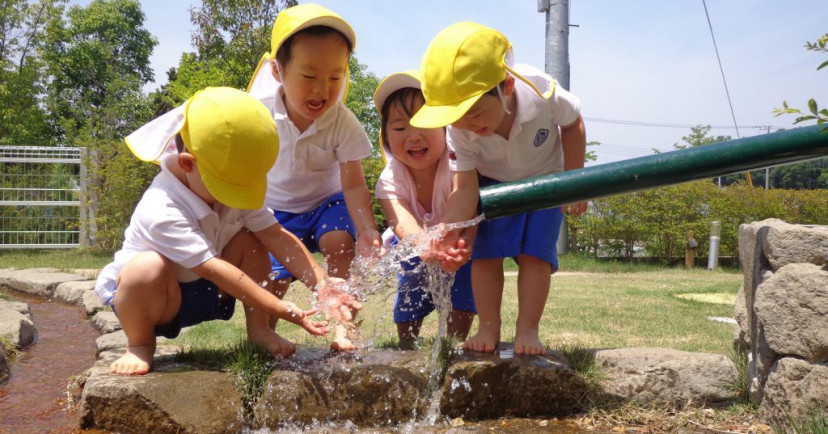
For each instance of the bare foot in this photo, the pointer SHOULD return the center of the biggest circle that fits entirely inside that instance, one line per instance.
(342, 341)
(272, 342)
(528, 342)
(137, 360)
(485, 341)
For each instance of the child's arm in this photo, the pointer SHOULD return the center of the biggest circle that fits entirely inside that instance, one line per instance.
(573, 138)
(461, 206)
(238, 284)
(358, 200)
(400, 218)
(287, 248)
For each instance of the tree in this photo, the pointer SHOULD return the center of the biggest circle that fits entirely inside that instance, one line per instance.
(97, 63)
(820, 116)
(22, 78)
(698, 137)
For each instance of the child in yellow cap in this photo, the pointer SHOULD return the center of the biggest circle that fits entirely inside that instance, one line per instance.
(413, 190)
(198, 238)
(506, 123)
(317, 187)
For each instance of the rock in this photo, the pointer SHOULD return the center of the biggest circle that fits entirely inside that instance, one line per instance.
(106, 322)
(171, 399)
(17, 328)
(379, 386)
(666, 377)
(795, 389)
(91, 303)
(479, 385)
(791, 244)
(792, 312)
(40, 282)
(73, 292)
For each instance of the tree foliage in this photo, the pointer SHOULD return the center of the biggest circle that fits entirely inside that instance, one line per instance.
(23, 121)
(815, 113)
(97, 62)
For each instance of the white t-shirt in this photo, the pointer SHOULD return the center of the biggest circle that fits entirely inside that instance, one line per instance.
(534, 146)
(307, 169)
(172, 220)
(395, 182)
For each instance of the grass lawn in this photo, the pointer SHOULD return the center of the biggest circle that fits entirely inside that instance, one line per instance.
(592, 304)
(654, 307)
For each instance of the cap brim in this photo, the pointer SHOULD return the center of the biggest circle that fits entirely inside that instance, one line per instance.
(250, 196)
(439, 116)
(327, 21)
(394, 82)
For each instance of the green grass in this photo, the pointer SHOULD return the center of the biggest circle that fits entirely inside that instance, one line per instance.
(592, 304)
(62, 259)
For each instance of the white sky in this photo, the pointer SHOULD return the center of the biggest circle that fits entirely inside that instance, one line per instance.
(643, 61)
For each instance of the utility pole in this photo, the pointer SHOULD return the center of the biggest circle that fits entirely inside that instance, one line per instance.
(557, 65)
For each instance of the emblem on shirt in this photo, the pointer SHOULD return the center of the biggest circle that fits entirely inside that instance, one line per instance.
(452, 156)
(541, 136)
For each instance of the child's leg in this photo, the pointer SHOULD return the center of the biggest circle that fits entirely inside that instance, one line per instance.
(338, 247)
(459, 323)
(487, 286)
(408, 332)
(533, 289)
(147, 295)
(247, 253)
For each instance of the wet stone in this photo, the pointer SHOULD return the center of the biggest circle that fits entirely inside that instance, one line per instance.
(181, 400)
(479, 386)
(375, 387)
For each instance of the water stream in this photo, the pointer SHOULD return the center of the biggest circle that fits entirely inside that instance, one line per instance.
(36, 398)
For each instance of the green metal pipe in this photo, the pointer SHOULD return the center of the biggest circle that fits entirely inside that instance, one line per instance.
(657, 170)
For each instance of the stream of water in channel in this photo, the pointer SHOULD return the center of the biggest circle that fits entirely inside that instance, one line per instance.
(36, 398)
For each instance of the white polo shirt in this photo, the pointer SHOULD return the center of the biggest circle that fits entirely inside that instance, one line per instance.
(307, 169)
(534, 146)
(171, 220)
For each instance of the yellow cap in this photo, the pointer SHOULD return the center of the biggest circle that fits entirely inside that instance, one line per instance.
(234, 140)
(463, 62)
(390, 84)
(296, 18)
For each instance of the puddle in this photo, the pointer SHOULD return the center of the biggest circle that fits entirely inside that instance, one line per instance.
(35, 399)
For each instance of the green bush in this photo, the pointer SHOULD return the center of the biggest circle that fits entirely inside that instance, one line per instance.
(657, 221)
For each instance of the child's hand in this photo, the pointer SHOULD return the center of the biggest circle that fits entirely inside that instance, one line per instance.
(337, 304)
(457, 256)
(439, 248)
(369, 244)
(304, 319)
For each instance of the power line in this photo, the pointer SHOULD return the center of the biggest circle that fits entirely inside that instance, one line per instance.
(721, 70)
(672, 125)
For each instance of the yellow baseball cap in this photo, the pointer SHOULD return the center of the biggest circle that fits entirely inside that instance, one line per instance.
(296, 18)
(390, 84)
(463, 62)
(235, 143)
(289, 22)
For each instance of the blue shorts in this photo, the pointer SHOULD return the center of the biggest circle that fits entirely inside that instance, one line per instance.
(414, 303)
(533, 233)
(330, 215)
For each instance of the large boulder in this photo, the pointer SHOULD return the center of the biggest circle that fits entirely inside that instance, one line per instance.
(795, 389)
(663, 376)
(479, 386)
(377, 387)
(40, 282)
(171, 399)
(16, 327)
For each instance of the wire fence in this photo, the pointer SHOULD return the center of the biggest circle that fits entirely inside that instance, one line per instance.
(41, 197)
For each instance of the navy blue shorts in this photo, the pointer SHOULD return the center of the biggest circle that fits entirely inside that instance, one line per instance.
(330, 215)
(200, 301)
(532, 233)
(413, 302)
